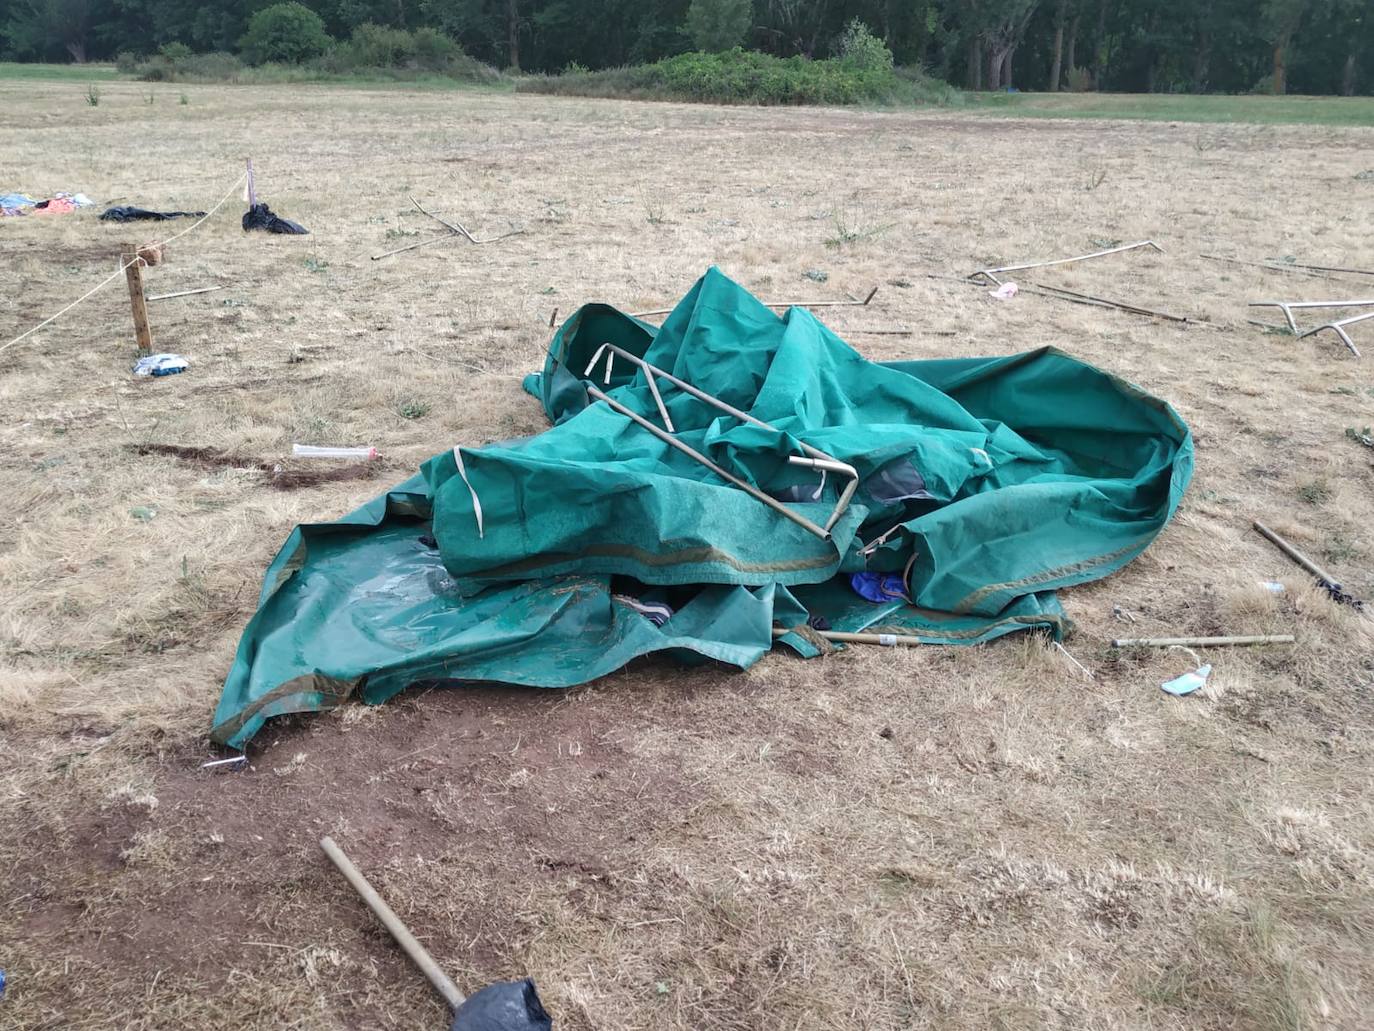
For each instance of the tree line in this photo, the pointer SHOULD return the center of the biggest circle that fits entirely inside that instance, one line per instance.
(1227, 46)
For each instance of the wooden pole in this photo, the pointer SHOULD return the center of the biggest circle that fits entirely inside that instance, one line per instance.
(1198, 642)
(133, 272)
(398, 930)
(252, 191)
(1297, 556)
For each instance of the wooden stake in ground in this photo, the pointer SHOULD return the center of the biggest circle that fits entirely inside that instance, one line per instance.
(133, 272)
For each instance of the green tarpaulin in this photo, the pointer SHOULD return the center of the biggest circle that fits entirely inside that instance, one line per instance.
(985, 484)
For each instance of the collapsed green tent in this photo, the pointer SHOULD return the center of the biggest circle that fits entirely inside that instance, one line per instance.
(984, 485)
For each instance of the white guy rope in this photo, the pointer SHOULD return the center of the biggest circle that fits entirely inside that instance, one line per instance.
(120, 271)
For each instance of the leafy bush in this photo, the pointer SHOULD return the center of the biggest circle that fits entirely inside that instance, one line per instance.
(434, 51)
(189, 67)
(127, 62)
(378, 51)
(376, 46)
(745, 77)
(176, 54)
(215, 67)
(717, 25)
(287, 32)
(1079, 80)
(862, 50)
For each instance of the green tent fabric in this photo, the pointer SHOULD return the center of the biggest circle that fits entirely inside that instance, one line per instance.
(987, 484)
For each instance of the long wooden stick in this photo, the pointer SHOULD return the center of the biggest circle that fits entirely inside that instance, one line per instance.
(398, 930)
(455, 230)
(412, 246)
(458, 227)
(992, 273)
(1198, 642)
(1297, 556)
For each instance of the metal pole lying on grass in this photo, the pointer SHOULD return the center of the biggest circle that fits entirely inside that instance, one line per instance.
(1339, 328)
(992, 273)
(398, 930)
(1287, 307)
(842, 637)
(1134, 309)
(1198, 642)
(854, 303)
(184, 293)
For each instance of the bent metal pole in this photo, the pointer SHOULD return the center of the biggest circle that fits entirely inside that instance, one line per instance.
(698, 457)
(992, 273)
(818, 459)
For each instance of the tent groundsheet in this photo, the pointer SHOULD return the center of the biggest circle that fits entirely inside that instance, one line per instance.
(985, 485)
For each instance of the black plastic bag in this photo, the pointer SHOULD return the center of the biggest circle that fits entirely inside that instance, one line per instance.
(504, 1006)
(260, 216)
(127, 214)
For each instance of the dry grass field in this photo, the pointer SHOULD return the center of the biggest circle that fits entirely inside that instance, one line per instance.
(883, 838)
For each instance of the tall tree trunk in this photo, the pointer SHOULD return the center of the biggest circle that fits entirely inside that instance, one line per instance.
(1348, 76)
(1281, 67)
(1100, 46)
(975, 64)
(996, 55)
(1070, 59)
(1006, 68)
(1057, 65)
(513, 26)
(1202, 59)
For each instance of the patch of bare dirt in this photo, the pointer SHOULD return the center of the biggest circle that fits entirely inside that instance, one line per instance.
(280, 475)
(496, 783)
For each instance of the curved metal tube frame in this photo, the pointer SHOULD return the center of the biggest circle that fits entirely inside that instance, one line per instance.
(814, 458)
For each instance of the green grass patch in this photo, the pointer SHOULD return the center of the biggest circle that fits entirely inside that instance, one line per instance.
(1177, 107)
(59, 72)
(745, 77)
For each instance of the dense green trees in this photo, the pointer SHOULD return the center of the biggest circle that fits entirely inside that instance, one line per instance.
(716, 25)
(1307, 46)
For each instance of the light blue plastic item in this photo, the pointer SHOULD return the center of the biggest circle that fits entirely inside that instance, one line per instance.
(1192, 681)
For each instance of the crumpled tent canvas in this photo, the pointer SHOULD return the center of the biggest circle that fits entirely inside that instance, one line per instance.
(991, 483)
